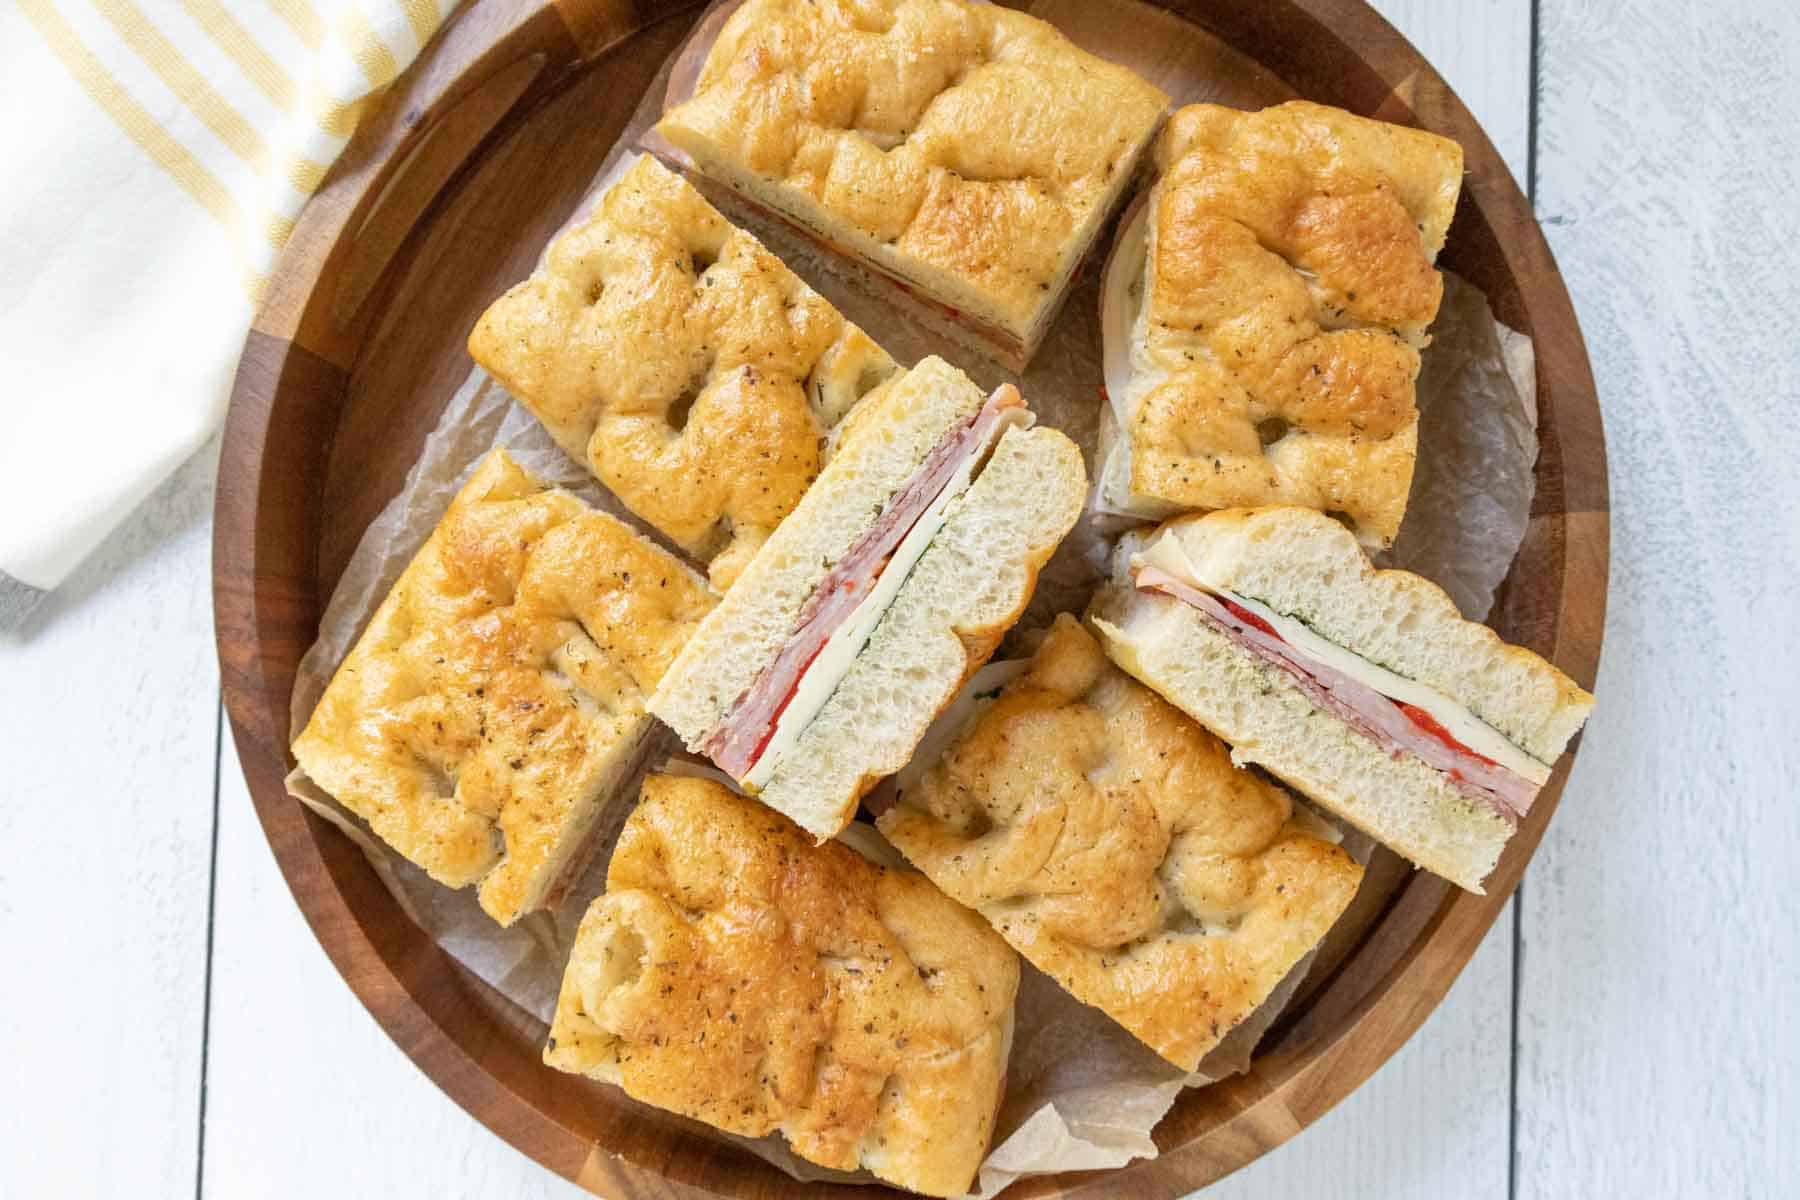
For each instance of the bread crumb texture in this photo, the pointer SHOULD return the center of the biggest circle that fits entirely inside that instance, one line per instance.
(966, 145)
(1289, 286)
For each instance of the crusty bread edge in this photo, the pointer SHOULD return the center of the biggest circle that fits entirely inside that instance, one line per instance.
(934, 298)
(684, 699)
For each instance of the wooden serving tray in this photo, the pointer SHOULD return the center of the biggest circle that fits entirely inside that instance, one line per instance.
(442, 200)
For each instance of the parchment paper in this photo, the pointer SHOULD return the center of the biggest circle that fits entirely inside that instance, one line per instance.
(1081, 1093)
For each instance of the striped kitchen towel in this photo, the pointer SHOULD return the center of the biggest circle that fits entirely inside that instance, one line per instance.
(156, 154)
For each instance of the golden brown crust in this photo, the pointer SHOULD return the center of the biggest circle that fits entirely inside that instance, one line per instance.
(692, 372)
(1288, 289)
(736, 973)
(1112, 843)
(963, 146)
(501, 684)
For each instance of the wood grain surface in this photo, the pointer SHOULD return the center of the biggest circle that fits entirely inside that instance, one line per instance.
(1659, 953)
(1433, 1122)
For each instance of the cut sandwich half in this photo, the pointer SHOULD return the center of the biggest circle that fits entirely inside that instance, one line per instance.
(1111, 841)
(1364, 689)
(893, 581)
(737, 974)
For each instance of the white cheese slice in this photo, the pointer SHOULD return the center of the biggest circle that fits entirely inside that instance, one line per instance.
(832, 663)
(1167, 554)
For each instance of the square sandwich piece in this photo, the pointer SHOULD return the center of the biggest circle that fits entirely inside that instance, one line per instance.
(1263, 314)
(1363, 689)
(682, 363)
(736, 973)
(1112, 842)
(496, 701)
(964, 150)
(892, 582)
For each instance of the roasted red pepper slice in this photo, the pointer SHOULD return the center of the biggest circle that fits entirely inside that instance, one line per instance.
(1430, 724)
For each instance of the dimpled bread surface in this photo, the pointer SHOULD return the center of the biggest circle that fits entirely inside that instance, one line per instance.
(692, 372)
(736, 973)
(1110, 840)
(1289, 286)
(497, 697)
(966, 147)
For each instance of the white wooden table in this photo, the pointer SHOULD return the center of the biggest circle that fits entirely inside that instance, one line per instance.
(169, 1027)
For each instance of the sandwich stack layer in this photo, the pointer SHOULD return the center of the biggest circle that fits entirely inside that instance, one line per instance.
(1363, 689)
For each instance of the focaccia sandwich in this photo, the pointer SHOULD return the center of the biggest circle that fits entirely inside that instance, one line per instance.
(863, 614)
(682, 363)
(1263, 311)
(966, 151)
(1365, 690)
(736, 973)
(495, 703)
(1111, 841)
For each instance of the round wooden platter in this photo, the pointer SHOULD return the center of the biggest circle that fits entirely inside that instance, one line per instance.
(442, 200)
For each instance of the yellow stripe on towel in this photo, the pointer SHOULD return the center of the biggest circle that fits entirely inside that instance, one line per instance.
(191, 88)
(422, 15)
(255, 62)
(300, 17)
(136, 123)
(366, 47)
(336, 118)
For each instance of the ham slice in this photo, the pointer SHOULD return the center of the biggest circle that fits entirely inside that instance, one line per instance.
(739, 740)
(1358, 705)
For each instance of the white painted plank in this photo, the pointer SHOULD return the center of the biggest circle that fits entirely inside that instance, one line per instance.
(306, 1096)
(1482, 48)
(1661, 967)
(108, 718)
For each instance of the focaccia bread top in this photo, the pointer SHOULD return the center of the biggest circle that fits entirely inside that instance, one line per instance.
(692, 372)
(1289, 286)
(736, 973)
(1112, 842)
(968, 146)
(499, 682)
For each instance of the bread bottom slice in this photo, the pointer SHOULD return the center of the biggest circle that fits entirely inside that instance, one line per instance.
(1267, 720)
(964, 594)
